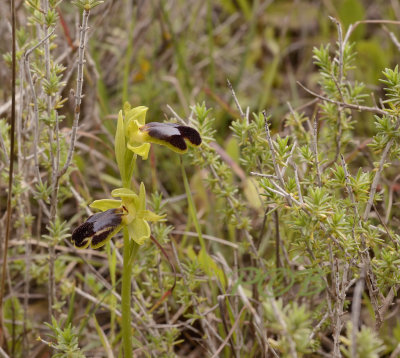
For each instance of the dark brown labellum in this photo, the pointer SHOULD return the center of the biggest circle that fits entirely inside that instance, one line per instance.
(97, 229)
(173, 134)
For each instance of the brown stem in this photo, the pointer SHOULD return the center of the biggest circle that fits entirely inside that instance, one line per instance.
(11, 170)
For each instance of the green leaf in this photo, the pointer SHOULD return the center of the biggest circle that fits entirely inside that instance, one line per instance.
(209, 266)
(103, 339)
(12, 312)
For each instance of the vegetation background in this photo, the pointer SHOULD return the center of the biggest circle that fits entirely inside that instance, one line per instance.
(297, 263)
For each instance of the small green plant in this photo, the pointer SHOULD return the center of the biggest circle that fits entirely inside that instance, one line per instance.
(66, 341)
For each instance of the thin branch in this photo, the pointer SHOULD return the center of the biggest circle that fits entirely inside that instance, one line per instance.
(239, 107)
(338, 310)
(396, 352)
(355, 311)
(296, 177)
(3, 354)
(228, 160)
(228, 338)
(352, 27)
(351, 196)
(278, 241)
(390, 201)
(270, 176)
(318, 326)
(272, 149)
(207, 237)
(290, 158)
(387, 231)
(315, 136)
(229, 335)
(96, 301)
(52, 253)
(341, 47)
(22, 207)
(35, 104)
(79, 84)
(236, 303)
(347, 105)
(258, 323)
(387, 302)
(338, 84)
(392, 37)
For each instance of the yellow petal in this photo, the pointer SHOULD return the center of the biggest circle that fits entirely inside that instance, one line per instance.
(142, 150)
(130, 206)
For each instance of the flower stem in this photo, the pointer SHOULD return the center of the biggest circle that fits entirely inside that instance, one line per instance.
(130, 250)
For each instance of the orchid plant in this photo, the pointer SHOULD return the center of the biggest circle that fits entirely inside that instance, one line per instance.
(128, 213)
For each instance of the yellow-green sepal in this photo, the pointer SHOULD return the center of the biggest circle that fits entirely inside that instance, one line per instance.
(136, 114)
(141, 203)
(149, 215)
(105, 204)
(123, 193)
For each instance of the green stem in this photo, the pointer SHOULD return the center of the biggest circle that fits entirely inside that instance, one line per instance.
(130, 250)
(192, 208)
(112, 264)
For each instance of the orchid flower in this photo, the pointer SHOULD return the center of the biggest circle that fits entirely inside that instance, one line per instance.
(130, 211)
(172, 135)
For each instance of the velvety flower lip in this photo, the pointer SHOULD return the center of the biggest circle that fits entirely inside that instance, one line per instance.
(98, 229)
(173, 135)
